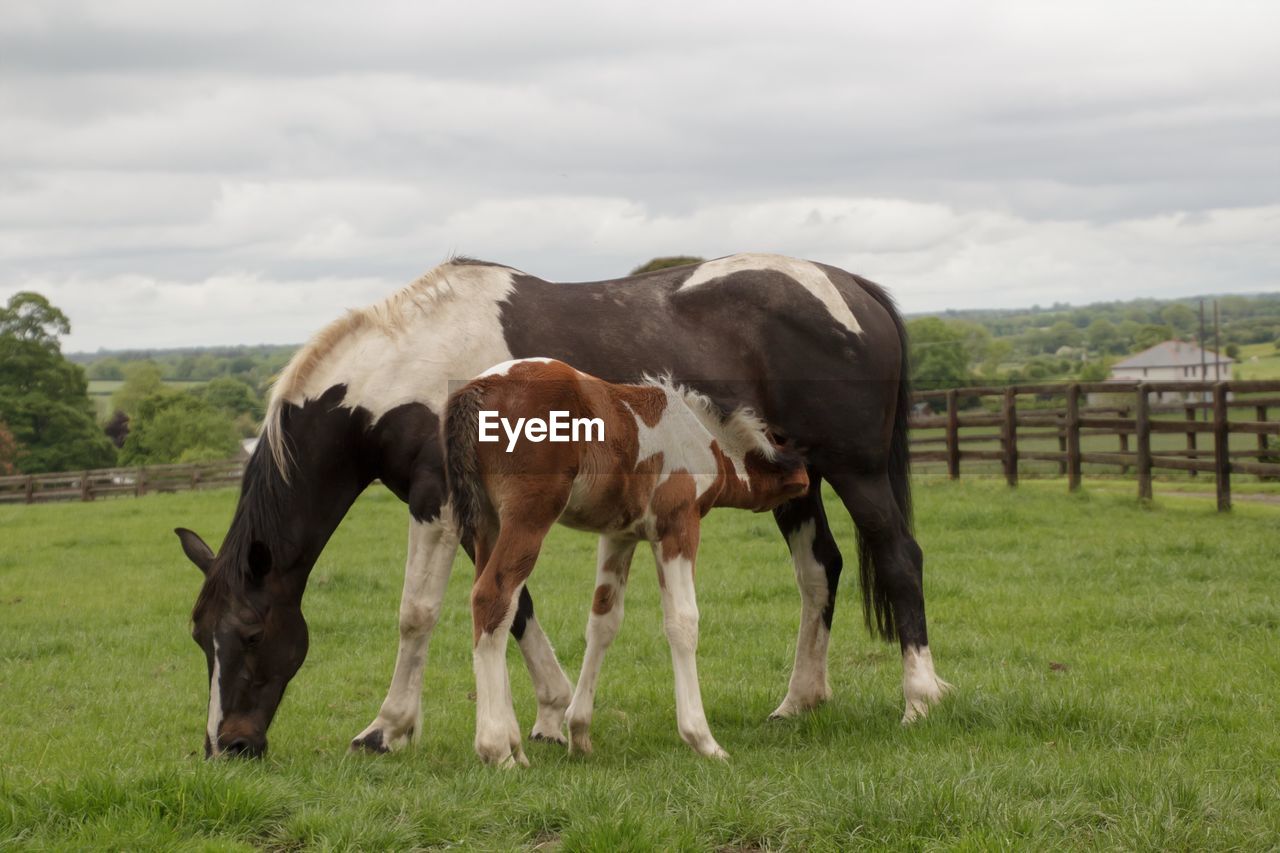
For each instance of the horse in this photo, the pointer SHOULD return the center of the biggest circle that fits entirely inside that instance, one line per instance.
(662, 458)
(818, 353)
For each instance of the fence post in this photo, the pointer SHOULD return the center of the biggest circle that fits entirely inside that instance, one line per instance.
(1073, 437)
(1191, 438)
(31, 489)
(1142, 413)
(953, 436)
(1124, 442)
(1221, 446)
(1010, 436)
(1261, 412)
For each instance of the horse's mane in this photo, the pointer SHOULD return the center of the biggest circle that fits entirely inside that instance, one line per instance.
(262, 490)
(739, 431)
(388, 317)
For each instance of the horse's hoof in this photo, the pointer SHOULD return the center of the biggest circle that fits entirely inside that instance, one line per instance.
(371, 742)
(557, 740)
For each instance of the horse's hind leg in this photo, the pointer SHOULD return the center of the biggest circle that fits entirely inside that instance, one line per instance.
(550, 685)
(613, 562)
(675, 555)
(893, 583)
(817, 565)
(493, 609)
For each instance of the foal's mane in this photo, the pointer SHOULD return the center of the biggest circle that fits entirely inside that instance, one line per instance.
(388, 317)
(738, 432)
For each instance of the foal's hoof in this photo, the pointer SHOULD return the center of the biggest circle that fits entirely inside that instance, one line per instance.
(923, 698)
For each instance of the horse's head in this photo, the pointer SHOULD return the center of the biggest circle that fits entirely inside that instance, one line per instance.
(248, 621)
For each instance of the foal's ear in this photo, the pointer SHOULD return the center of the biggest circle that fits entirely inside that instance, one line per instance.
(195, 549)
(259, 560)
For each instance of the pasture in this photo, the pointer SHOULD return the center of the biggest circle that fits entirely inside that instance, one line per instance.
(1117, 671)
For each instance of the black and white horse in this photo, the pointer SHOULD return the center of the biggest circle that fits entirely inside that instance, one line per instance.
(818, 353)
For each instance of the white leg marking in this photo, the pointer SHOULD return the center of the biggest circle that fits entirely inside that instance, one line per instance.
(215, 702)
(550, 684)
(809, 687)
(680, 621)
(497, 730)
(432, 548)
(920, 684)
(613, 559)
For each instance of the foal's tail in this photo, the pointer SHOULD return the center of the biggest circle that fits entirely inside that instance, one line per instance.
(877, 604)
(462, 471)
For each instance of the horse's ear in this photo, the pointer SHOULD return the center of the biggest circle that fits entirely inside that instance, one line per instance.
(259, 560)
(195, 549)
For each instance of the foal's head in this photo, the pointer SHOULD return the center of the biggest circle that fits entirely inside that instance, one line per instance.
(248, 622)
(775, 476)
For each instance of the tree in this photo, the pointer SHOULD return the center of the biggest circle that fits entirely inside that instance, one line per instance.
(44, 398)
(1102, 336)
(142, 379)
(1180, 318)
(108, 368)
(1150, 335)
(665, 262)
(176, 426)
(117, 428)
(233, 396)
(938, 355)
(8, 452)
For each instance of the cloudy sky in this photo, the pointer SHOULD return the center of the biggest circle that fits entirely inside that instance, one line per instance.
(239, 172)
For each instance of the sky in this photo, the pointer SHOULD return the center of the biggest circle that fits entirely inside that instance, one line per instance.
(238, 172)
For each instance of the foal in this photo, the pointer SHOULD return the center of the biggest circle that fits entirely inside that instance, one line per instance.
(666, 457)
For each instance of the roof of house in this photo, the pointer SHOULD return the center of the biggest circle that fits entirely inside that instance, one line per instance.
(1172, 354)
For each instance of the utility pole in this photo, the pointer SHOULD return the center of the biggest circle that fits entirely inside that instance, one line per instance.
(1217, 345)
(1204, 370)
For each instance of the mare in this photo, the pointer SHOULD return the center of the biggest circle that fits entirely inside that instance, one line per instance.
(817, 353)
(665, 457)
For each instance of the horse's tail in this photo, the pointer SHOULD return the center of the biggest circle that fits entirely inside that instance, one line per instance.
(462, 470)
(877, 606)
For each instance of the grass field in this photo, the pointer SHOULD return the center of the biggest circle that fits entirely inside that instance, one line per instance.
(1266, 366)
(1158, 730)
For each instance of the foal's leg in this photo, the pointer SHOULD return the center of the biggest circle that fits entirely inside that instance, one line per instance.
(550, 684)
(817, 565)
(613, 562)
(432, 546)
(493, 608)
(897, 582)
(675, 555)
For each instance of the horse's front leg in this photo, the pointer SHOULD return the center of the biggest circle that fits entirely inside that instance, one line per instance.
(432, 547)
(675, 554)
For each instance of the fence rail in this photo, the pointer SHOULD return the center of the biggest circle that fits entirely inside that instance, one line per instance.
(1125, 412)
(119, 482)
(1011, 426)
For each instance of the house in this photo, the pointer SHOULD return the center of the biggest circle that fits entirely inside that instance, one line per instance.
(1172, 361)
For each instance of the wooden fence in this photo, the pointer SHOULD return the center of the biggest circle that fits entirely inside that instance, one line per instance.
(117, 482)
(1010, 427)
(1038, 416)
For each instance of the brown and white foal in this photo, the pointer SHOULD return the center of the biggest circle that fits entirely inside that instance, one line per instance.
(667, 455)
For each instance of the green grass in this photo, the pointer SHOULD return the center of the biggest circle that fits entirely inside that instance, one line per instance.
(1160, 733)
(1267, 365)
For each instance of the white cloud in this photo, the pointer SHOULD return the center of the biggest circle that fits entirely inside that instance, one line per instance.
(159, 163)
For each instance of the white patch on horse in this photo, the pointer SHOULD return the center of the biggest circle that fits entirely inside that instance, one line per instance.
(683, 440)
(920, 684)
(808, 275)
(505, 367)
(215, 702)
(387, 354)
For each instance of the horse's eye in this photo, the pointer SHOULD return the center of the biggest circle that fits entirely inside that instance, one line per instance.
(251, 640)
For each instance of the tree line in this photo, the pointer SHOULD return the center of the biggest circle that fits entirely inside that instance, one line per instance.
(48, 422)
